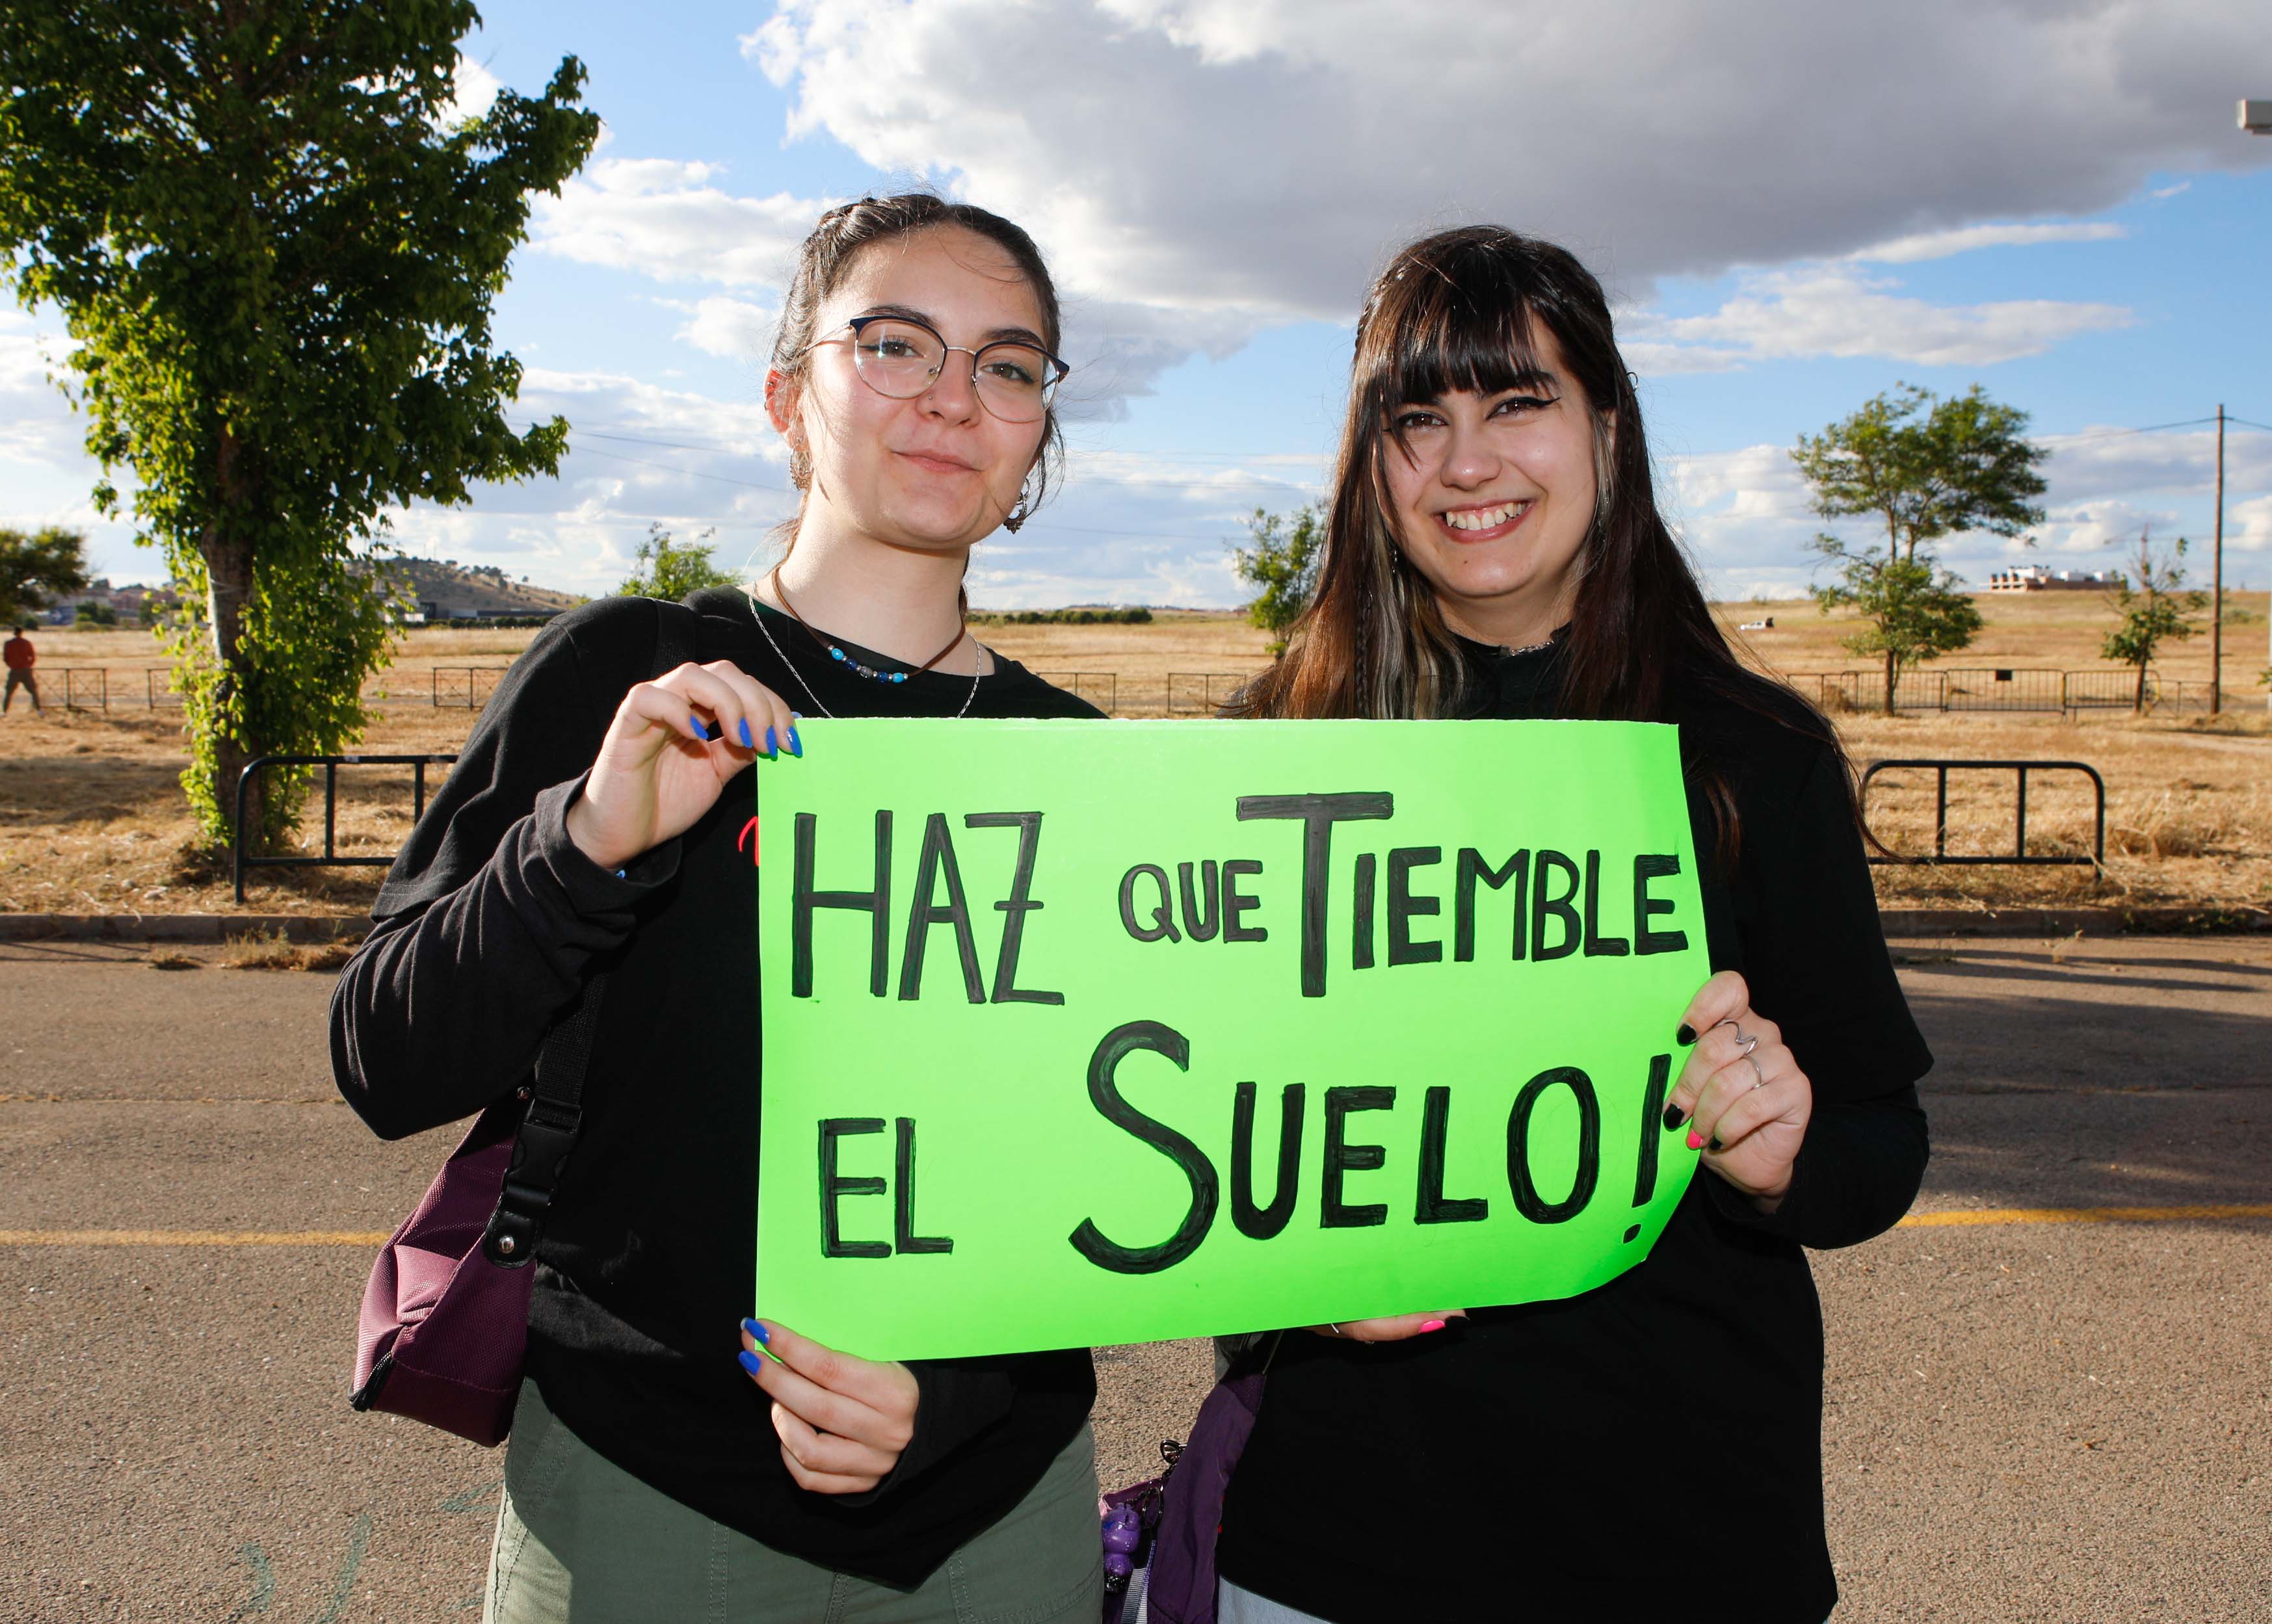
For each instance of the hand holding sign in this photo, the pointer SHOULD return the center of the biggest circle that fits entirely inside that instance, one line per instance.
(1742, 1086)
(663, 764)
(842, 1421)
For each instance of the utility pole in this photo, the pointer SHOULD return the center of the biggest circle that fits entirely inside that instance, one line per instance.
(2216, 582)
(2256, 118)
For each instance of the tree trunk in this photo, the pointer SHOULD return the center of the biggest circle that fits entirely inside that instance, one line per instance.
(1892, 671)
(2138, 705)
(229, 585)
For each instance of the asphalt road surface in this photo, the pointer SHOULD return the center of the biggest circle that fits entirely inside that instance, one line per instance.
(2039, 1408)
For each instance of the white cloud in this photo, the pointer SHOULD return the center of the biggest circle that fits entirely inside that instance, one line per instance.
(666, 220)
(731, 328)
(474, 88)
(1965, 239)
(1825, 311)
(1263, 153)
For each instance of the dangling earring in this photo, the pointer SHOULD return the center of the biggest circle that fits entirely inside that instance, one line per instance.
(1014, 520)
(800, 467)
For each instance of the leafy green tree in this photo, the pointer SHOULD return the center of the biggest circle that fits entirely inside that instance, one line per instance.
(668, 570)
(37, 569)
(1915, 610)
(2153, 611)
(1927, 468)
(276, 249)
(1282, 564)
(96, 614)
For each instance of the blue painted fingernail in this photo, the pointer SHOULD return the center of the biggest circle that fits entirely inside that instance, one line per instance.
(745, 736)
(749, 1361)
(796, 745)
(772, 749)
(757, 1331)
(700, 732)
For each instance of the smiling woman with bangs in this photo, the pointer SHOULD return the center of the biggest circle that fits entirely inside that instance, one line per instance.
(1494, 551)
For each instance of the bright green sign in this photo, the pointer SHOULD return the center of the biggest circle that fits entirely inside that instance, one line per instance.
(1086, 1032)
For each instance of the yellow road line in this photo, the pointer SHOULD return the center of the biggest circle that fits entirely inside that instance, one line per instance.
(366, 1238)
(2084, 1215)
(191, 1237)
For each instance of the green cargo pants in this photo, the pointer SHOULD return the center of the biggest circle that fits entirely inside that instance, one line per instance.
(582, 1541)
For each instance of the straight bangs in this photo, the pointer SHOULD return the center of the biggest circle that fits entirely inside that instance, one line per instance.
(1451, 332)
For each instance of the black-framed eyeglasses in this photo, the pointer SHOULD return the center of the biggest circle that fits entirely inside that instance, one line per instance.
(902, 358)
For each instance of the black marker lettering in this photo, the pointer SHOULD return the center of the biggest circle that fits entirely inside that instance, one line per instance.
(1334, 1213)
(804, 900)
(833, 1243)
(1545, 906)
(1361, 908)
(1028, 825)
(1471, 867)
(1164, 917)
(1432, 1207)
(1598, 945)
(1235, 904)
(937, 860)
(1201, 922)
(1652, 1128)
(1526, 1199)
(1319, 815)
(1104, 1094)
(1403, 906)
(1645, 907)
(1260, 1223)
(904, 1238)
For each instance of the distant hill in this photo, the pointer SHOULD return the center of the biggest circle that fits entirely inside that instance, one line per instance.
(448, 590)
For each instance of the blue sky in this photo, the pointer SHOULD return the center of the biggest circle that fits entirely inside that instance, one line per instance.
(2053, 201)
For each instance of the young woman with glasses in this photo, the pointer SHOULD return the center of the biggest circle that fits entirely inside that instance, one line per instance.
(600, 818)
(1652, 1449)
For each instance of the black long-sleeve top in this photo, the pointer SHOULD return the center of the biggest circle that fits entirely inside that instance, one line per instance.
(487, 928)
(1651, 1449)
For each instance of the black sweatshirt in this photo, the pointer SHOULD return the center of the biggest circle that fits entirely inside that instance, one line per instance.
(1652, 1449)
(488, 924)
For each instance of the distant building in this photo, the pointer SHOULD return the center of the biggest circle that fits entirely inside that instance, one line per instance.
(2037, 578)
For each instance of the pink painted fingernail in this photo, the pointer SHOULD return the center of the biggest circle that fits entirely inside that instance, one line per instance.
(1695, 1140)
(1433, 1325)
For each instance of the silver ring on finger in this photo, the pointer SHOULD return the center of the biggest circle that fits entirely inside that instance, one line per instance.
(1758, 1077)
(1749, 1040)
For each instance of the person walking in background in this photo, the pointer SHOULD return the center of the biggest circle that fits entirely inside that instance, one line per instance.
(21, 656)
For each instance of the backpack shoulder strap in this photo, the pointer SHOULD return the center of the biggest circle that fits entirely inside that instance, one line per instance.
(555, 1109)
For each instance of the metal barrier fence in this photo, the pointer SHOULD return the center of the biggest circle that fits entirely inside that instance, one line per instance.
(86, 688)
(467, 687)
(1984, 688)
(1211, 697)
(1104, 682)
(331, 764)
(158, 687)
(1942, 767)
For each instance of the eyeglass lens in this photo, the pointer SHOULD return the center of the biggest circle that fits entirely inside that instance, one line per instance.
(901, 358)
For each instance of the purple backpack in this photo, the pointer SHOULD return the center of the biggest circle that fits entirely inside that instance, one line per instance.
(444, 1328)
(1182, 1515)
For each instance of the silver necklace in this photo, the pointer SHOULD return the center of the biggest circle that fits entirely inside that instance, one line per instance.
(767, 633)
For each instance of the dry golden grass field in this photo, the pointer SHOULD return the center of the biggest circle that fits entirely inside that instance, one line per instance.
(91, 818)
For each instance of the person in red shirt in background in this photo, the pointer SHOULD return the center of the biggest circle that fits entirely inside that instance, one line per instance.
(21, 658)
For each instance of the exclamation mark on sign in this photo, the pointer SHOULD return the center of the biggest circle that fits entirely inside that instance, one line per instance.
(1652, 1127)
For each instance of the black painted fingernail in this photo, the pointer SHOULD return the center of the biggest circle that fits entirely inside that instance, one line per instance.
(1673, 1117)
(1715, 1141)
(1685, 1036)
